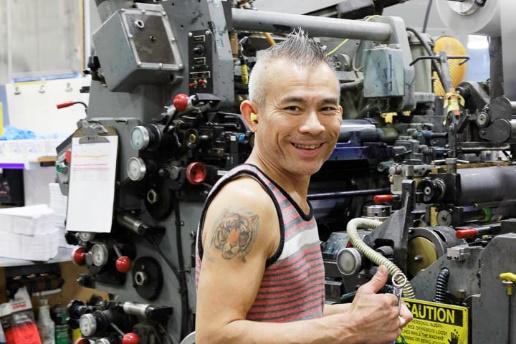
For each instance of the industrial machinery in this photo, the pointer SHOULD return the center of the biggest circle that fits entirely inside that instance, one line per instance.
(426, 173)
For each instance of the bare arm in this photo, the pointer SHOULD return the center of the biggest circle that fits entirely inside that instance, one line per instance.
(337, 308)
(238, 236)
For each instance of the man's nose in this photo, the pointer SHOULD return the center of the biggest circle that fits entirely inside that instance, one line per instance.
(311, 124)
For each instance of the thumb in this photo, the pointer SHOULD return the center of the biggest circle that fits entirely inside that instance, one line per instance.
(376, 283)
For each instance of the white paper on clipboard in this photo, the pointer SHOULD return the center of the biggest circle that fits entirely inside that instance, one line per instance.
(92, 185)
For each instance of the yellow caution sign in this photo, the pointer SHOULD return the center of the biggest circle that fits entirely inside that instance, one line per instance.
(435, 323)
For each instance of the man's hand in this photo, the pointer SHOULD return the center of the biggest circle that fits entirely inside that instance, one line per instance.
(377, 318)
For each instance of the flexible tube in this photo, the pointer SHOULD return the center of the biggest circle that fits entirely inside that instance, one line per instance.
(375, 257)
(441, 285)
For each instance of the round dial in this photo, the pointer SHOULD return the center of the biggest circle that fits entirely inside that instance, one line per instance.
(349, 261)
(87, 325)
(136, 169)
(140, 137)
(100, 255)
(85, 236)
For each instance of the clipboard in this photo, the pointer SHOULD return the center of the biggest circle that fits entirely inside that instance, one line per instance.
(92, 178)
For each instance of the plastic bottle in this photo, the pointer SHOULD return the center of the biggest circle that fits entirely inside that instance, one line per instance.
(61, 322)
(45, 324)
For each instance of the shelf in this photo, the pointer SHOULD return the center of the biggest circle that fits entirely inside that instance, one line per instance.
(64, 254)
(16, 164)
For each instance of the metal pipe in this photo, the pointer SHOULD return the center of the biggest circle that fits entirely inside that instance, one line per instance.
(489, 184)
(317, 26)
(345, 194)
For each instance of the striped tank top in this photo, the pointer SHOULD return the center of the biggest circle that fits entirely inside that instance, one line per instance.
(292, 286)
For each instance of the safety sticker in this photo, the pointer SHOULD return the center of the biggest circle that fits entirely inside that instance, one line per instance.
(435, 323)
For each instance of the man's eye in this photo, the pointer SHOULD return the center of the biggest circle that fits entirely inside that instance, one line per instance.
(329, 109)
(293, 108)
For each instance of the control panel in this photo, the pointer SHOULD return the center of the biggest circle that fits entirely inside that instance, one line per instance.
(200, 61)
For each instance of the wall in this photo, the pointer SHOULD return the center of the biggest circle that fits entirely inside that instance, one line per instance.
(40, 37)
(32, 105)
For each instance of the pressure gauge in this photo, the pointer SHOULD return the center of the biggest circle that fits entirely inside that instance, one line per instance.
(85, 236)
(136, 169)
(140, 137)
(88, 325)
(99, 255)
(102, 341)
(349, 261)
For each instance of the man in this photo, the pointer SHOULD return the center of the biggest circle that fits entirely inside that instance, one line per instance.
(260, 270)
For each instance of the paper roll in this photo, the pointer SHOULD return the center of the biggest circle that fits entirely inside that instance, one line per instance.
(467, 17)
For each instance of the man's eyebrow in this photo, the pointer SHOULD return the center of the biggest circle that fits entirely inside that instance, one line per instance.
(297, 99)
(331, 100)
(292, 99)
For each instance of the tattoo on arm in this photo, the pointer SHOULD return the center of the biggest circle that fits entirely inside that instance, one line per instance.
(235, 234)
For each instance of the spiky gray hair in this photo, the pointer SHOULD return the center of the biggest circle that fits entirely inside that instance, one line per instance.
(298, 48)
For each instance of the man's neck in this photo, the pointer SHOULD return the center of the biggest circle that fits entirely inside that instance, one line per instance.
(293, 184)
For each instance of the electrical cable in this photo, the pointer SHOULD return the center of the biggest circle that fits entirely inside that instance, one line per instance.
(334, 50)
(182, 281)
(441, 286)
(427, 15)
(346, 86)
(429, 51)
(167, 335)
(179, 275)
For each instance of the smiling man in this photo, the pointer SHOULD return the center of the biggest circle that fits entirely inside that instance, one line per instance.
(260, 272)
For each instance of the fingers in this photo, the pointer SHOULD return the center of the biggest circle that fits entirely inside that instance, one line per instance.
(376, 283)
(405, 315)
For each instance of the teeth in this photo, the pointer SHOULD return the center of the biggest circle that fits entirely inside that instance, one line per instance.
(297, 145)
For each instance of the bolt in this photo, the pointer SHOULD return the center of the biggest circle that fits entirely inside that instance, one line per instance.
(152, 196)
(140, 278)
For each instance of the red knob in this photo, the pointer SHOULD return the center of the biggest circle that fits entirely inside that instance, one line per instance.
(181, 101)
(466, 233)
(79, 256)
(82, 341)
(196, 173)
(382, 198)
(123, 264)
(65, 104)
(130, 338)
(68, 157)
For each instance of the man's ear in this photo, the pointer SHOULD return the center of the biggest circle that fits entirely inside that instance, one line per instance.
(250, 114)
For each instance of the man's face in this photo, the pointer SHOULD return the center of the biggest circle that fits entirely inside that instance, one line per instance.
(299, 122)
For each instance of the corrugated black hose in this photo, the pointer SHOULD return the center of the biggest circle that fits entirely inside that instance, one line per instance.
(441, 286)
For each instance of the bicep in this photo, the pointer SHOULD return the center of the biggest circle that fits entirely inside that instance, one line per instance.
(235, 252)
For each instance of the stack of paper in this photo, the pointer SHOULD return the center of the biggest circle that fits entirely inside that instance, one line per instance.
(28, 233)
(58, 203)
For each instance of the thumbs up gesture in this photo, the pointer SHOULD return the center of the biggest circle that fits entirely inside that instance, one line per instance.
(377, 318)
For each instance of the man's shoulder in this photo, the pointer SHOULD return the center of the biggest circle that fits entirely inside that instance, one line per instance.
(244, 191)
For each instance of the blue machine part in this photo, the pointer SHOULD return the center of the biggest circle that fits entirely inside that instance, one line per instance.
(359, 140)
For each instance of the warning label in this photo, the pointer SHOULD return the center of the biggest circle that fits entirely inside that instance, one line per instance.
(435, 323)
